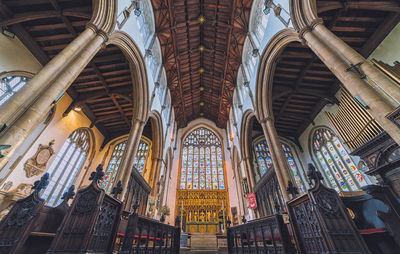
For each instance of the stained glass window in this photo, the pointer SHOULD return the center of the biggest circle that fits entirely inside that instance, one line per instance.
(202, 161)
(9, 86)
(66, 165)
(113, 166)
(264, 162)
(141, 155)
(332, 157)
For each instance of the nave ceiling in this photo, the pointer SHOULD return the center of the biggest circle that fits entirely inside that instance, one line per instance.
(201, 43)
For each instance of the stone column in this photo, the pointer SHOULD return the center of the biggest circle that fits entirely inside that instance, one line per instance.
(379, 106)
(26, 123)
(388, 87)
(155, 174)
(13, 108)
(250, 173)
(126, 165)
(278, 157)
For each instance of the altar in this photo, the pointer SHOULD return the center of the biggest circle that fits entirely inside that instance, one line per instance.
(202, 227)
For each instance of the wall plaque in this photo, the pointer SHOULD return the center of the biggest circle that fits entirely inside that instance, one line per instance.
(36, 165)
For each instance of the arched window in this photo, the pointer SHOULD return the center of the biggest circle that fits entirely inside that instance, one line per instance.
(113, 166)
(66, 165)
(264, 162)
(141, 155)
(202, 161)
(339, 168)
(9, 86)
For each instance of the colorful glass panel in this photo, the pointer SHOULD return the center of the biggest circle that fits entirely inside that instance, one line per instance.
(113, 166)
(336, 162)
(139, 162)
(202, 161)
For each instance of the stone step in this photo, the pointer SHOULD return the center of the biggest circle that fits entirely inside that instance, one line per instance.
(201, 241)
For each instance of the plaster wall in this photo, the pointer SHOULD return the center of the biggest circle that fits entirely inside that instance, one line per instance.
(14, 56)
(388, 51)
(58, 130)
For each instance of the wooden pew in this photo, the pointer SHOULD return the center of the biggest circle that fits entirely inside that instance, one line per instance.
(30, 226)
(145, 235)
(91, 224)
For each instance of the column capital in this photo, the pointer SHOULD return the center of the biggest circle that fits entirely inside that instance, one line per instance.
(137, 120)
(265, 119)
(310, 27)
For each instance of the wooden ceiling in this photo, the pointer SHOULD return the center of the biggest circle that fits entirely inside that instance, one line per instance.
(104, 92)
(303, 85)
(198, 76)
(45, 26)
(104, 88)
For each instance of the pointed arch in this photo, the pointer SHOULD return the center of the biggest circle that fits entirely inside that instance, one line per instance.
(266, 71)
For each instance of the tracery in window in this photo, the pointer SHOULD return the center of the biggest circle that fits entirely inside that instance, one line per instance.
(202, 161)
(66, 165)
(113, 166)
(336, 163)
(9, 86)
(264, 162)
(141, 155)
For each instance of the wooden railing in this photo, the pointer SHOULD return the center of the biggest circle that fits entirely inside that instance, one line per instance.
(265, 235)
(145, 235)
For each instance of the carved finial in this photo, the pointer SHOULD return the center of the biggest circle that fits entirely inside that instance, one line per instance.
(135, 207)
(69, 194)
(42, 183)
(117, 189)
(244, 220)
(98, 175)
(313, 175)
(291, 189)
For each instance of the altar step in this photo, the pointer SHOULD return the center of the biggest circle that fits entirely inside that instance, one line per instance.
(203, 242)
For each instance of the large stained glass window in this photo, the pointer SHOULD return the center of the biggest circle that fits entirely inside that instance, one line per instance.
(9, 86)
(141, 155)
(202, 161)
(264, 162)
(66, 165)
(113, 166)
(339, 168)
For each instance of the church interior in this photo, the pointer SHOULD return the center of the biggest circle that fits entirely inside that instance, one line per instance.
(199, 126)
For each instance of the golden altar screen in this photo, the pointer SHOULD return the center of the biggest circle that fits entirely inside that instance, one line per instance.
(202, 198)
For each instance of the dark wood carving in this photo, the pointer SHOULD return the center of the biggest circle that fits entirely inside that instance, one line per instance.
(268, 194)
(138, 192)
(92, 222)
(377, 215)
(265, 235)
(381, 157)
(322, 224)
(30, 226)
(145, 235)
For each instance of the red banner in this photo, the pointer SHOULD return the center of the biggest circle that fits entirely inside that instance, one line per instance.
(251, 198)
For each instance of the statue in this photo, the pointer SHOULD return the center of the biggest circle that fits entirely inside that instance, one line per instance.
(201, 216)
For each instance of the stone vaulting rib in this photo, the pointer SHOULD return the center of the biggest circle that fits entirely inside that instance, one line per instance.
(202, 59)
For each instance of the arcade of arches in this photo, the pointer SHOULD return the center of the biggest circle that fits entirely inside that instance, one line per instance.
(210, 112)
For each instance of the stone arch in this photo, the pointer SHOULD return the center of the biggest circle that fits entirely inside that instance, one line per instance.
(303, 13)
(138, 72)
(266, 71)
(104, 17)
(157, 148)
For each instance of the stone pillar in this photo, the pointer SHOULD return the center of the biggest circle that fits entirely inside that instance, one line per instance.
(388, 87)
(12, 109)
(250, 173)
(278, 157)
(379, 105)
(156, 163)
(126, 165)
(26, 123)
